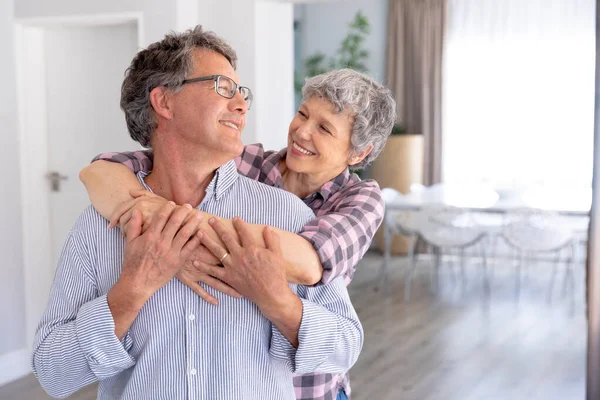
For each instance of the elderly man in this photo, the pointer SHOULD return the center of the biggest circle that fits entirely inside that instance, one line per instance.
(115, 312)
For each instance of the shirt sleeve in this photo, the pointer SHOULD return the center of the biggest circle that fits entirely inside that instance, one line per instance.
(250, 162)
(330, 337)
(134, 160)
(75, 343)
(343, 236)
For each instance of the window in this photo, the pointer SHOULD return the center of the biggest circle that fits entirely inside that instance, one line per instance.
(519, 92)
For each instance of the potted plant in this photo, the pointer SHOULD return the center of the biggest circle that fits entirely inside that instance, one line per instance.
(351, 53)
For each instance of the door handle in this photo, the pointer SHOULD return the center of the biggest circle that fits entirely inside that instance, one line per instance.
(54, 177)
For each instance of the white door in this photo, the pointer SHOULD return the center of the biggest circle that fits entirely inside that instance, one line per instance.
(69, 91)
(84, 70)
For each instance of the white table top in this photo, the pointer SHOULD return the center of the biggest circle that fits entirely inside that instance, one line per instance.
(567, 201)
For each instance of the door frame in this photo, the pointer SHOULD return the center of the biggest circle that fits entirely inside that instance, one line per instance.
(33, 145)
(593, 251)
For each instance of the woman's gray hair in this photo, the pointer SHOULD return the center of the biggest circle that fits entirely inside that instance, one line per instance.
(164, 63)
(371, 104)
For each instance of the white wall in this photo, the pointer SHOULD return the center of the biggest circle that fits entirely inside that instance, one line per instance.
(261, 33)
(12, 295)
(274, 72)
(159, 16)
(324, 25)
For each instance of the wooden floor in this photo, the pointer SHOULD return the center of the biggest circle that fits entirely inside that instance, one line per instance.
(454, 343)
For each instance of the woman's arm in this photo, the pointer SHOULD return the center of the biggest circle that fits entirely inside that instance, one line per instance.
(109, 185)
(343, 234)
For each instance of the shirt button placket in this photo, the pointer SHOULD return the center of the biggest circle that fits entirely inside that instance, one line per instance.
(191, 332)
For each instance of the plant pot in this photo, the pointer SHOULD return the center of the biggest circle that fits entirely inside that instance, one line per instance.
(399, 165)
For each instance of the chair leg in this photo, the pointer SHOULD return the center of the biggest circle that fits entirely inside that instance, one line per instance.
(518, 275)
(387, 255)
(412, 266)
(450, 265)
(436, 272)
(484, 264)
(553, 277)
(569, 276)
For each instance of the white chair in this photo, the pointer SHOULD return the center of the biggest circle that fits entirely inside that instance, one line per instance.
(447, 228)
(533, 231)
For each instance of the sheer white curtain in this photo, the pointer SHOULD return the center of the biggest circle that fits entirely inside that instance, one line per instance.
(518, 95)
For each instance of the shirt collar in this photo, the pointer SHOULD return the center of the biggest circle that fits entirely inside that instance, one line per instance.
(225, 177)
(334, 185)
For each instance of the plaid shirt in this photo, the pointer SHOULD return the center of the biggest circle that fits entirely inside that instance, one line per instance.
(348, 211)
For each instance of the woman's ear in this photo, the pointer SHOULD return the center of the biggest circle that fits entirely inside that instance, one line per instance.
(160, 99)
(360, 156)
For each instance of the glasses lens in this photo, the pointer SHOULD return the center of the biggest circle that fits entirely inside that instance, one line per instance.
(246, 94)
(226, 87)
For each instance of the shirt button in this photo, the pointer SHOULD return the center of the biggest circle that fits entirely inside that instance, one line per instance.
(192, 317)
(193, 371)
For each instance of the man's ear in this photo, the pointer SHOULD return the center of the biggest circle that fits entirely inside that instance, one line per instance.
(360, 156)
(160, 99)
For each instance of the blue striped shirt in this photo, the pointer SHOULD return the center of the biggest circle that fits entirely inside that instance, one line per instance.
(181, 347)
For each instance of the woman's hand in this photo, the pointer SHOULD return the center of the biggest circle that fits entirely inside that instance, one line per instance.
(145, 202)
(194, 272)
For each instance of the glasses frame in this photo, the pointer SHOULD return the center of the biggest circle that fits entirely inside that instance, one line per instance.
(217, 78)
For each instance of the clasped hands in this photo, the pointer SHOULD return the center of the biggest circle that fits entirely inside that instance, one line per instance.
(224, 257)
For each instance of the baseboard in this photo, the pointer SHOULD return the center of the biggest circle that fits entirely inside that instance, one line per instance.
(14, 365)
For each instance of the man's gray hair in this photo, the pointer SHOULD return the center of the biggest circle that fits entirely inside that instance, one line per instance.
(164, 63)
(371, 104)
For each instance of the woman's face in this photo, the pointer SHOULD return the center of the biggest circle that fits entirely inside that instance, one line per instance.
(319, 140)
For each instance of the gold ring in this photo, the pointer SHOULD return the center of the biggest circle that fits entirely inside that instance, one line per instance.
(224, 257)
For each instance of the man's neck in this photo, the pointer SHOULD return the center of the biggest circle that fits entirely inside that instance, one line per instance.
(179, 177)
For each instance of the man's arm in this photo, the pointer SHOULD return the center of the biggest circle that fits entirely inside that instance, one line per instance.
(75, 343)
(330, 336)
(109, 185)
(78, 339)
(318, 330)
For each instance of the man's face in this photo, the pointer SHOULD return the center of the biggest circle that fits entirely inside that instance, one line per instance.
(201, 117)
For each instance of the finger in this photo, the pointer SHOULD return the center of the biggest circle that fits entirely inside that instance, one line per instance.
(215, 248)
(186, 239)
(125, 218)
(203, 254)
(134, 229)
(243, 230)
(220, 286)
(212, 270)
(225, 235)
(175, 223)
(121, 210)
(271, 240)
(162, 216)
(196, 214)
(198, 289)
(135, 193)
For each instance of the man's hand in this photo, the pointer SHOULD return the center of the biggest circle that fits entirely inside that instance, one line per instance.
(256, 273)
(197, 270)
(151, 260)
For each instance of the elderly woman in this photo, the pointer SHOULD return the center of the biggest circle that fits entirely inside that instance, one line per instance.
(343, 121)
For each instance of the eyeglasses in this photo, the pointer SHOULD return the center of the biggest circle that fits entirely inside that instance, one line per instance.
(225, 87)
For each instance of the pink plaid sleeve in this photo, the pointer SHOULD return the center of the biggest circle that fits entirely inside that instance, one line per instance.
(134, 160)
(250, 162)
(343, 235)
